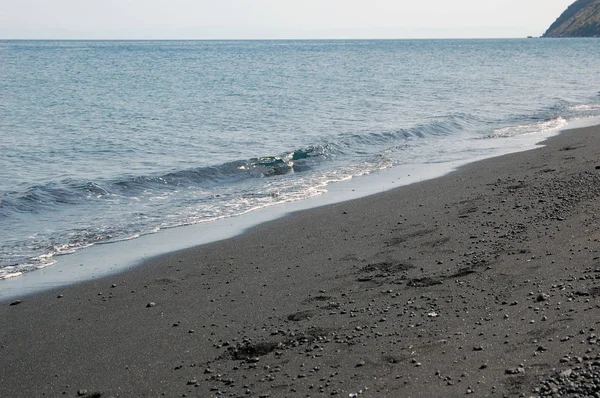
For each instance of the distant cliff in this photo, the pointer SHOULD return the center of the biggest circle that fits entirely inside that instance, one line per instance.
(581, 19)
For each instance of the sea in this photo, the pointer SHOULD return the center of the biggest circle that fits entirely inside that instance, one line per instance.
(111, 141)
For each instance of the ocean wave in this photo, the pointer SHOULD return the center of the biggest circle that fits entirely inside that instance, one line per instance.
(585, 108)
(133, 206)
(532, 128)
(69, 192)
(72, 192)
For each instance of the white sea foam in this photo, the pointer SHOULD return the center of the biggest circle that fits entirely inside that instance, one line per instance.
(585, 108)
(533, 128)
(7, 275)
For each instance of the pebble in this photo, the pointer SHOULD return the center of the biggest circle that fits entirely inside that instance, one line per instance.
(151, 304)
(16, 302)
(515, 371)
(542, 297)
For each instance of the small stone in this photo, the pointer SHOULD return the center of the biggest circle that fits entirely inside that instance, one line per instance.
(360, 364)
(82, 392)
(478, 348)
(208, 370)
(542, 297)
(151, 304)
(60, 296)
(253, 360)
(16, 302)
(566, 373)
(192, 382)
(515, 371)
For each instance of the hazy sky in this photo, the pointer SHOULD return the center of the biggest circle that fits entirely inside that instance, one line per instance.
(275, 19)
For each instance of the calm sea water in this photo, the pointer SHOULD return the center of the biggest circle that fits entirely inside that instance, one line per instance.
(107, 141)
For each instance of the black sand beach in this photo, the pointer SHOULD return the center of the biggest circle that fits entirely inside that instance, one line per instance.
(482, 282)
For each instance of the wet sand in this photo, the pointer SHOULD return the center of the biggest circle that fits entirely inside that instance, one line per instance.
(483, 282)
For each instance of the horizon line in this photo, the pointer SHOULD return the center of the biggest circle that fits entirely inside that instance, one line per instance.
(282, 39)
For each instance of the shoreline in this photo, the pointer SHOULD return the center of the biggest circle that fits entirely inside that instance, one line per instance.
(484, 289)
(116, 257)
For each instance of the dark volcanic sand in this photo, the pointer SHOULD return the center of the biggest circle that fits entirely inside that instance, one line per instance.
(483, 282)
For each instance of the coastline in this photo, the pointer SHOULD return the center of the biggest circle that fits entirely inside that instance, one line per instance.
(106, 259)
(484, 289)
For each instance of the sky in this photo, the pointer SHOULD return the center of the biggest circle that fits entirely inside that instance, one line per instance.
(276, 19)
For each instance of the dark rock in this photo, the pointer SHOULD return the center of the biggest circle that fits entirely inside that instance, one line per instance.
(300, 316)
(515, 371)
(423, 282)
(542, 297)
